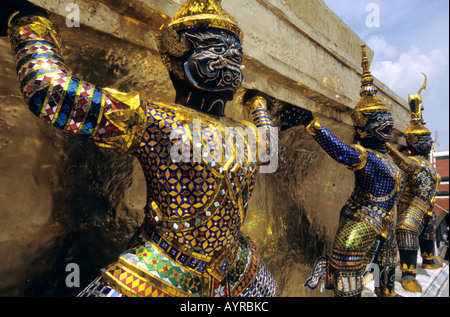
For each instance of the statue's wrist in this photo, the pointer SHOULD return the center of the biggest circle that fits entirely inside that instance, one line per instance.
(313, 126)
(257, 103)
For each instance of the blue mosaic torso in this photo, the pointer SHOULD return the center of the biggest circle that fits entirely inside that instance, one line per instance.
(377, 181)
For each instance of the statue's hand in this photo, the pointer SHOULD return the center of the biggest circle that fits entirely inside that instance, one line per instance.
(24, 8)
(250, 94)
(292, 116)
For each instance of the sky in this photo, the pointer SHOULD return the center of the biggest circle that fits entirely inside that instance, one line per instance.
(408, 37)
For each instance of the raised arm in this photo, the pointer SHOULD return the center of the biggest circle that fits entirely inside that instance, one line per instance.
(408, 164)
(112, 119)
(353, 156)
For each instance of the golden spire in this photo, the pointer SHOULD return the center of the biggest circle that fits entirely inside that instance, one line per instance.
(415, 102)
(369, 101)
(417, 126)
(367, 76)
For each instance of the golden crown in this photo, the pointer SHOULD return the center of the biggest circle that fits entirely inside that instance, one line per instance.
(369, 101)
(417, 126)
(193, 14)
(204, 13)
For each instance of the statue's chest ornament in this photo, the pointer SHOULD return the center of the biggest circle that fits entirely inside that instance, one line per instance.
(222, 160)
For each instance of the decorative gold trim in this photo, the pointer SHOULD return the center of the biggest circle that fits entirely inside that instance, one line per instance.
(204, 13)
(411, 270)
(38, 25)
(362, 158)
(130, 121)
(257, 103)
(411, 285)
(359, 119)
(314, 126)
(150, 279)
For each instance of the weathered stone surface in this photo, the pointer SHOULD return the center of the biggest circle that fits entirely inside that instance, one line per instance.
(64, 200)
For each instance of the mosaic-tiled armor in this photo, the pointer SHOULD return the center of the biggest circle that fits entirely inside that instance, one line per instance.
(416, 217)
(198, 188)
(367, 216)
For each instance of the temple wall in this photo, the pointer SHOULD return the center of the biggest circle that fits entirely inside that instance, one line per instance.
(64, 200)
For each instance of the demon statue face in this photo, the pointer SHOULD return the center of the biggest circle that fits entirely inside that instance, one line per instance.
(201, 47)
(379, 126)
(421, 145)
(216, 61)
(210, 73)
(377, 130)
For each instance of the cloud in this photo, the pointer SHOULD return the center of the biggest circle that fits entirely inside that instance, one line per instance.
(381, 48)
(402, 72)
(412, 38)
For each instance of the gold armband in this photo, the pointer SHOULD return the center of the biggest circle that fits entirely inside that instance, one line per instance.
(37, 25)
(362, 158)
(408, 164)
(257, 103)
(314, 126)
(131, 122)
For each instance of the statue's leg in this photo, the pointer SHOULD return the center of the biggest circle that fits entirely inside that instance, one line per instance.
(427, 244)
(410, 222)
(345, 267)
(387, 263)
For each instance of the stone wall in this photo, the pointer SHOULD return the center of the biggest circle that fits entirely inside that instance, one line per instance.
(64, 200)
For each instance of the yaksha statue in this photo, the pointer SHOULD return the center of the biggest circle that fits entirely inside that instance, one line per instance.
(198, 183)
(365, 232)
(416, 217)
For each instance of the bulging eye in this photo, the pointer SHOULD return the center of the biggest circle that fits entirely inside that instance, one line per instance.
(218, 49)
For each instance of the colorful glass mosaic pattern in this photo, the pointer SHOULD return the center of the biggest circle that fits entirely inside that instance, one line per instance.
(98, 289)
(366, 216)
(377, 180)
(415, 227)
(195, 205)
(200, 203)
(144, 271)
(52, 92)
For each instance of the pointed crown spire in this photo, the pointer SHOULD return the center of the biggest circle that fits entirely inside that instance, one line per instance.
(417, 126)
(369, 101)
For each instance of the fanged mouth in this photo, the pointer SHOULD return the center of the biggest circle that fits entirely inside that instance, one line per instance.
(225, 63)
(426, 145)
(385, 130)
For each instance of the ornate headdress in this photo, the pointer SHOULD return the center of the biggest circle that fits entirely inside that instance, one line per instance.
(193, 15)
(417, 126)
(369, 101)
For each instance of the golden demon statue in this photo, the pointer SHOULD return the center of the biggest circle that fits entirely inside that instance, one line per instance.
(366, 226)
(198, 186)
(416, 217)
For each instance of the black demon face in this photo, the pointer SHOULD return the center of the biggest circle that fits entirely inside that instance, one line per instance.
(424, 144)
(216, 61)
(379, 126)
